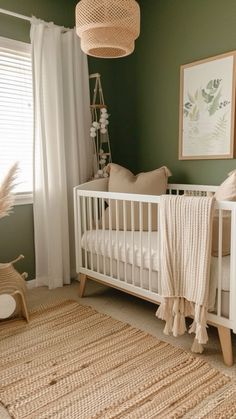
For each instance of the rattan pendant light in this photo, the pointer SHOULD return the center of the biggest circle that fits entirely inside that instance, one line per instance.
(108, 28)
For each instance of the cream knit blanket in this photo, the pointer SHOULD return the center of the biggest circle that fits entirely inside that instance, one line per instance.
(185, 251)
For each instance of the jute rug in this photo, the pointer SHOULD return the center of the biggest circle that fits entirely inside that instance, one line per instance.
(72, 362)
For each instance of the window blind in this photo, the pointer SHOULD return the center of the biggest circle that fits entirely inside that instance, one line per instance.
(16, 112)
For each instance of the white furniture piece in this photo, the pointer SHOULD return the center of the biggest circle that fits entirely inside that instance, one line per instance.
(128, 260)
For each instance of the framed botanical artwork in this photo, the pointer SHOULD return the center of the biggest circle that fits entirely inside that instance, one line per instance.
(207, 108)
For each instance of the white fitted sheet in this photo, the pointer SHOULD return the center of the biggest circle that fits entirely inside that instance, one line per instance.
(114, 245)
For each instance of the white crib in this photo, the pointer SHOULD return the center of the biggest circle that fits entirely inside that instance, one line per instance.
(128, 260)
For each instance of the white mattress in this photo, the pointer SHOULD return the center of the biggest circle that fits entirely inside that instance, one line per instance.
(114, 245)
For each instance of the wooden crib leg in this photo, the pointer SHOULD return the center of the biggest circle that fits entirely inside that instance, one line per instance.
(226, 345)
(82, 283)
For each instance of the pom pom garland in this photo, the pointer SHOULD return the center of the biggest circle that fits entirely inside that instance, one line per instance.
(99, 131)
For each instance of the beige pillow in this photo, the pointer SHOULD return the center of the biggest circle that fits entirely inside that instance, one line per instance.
(225, 192)
(124, 181)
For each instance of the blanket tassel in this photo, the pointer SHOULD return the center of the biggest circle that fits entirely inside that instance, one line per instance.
(197, 348)
(201, 334)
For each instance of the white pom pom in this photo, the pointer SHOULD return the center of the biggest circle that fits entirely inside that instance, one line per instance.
(103, 110)
(93, 134)
(104, 156)
(105, 115)
(103, 121)
(102, 161)
(101, 151)
(96, 124)
(103, 126)
(107, 122)
(92, 129)
(100, 172)
(103, 131)
(105, 174)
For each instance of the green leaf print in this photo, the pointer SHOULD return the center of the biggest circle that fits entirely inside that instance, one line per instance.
(191, 98)
(215, 104)
(210, 84)
(194, 115)
(207, 97)
(220, 128)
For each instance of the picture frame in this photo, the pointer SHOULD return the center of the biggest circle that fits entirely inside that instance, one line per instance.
(207, 108)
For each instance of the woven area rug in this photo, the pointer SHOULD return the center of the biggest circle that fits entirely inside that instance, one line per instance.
(72, 362)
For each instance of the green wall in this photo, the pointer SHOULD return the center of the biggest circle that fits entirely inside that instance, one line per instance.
(119, 80)
(60, 12)
(16, 237)
(176, 32)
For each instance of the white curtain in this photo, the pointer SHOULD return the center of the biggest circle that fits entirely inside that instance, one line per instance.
(62, 154)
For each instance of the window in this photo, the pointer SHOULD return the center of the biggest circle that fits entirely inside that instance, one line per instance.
(16, 112)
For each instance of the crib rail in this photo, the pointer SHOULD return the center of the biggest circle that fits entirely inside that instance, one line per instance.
(117, 242)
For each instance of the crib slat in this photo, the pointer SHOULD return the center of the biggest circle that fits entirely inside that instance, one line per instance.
(85, 231)
(91, 227)
(125, 239)
(149, 247)
(232, 293)
(117, 240)
(80, 233)
(103, 236)
(219, 263)
(159, 251)
(141, 243)
(132, 241)
(96, 203)
(110, 237)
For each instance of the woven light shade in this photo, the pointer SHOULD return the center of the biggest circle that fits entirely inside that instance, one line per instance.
(108, 28)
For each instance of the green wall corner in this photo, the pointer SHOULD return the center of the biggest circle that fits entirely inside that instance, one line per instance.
(16, 237)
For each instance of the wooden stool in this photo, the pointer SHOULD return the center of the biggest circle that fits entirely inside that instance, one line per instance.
(12, 283)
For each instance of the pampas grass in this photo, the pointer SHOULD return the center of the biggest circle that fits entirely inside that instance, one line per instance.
(6, 196)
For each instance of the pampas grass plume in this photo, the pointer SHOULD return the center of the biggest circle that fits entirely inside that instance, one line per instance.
(6, 196)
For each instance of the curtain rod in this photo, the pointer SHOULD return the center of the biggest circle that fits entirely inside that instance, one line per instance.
(19, 16)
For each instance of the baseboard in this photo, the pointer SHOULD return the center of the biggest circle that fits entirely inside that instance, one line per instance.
(31, 284)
